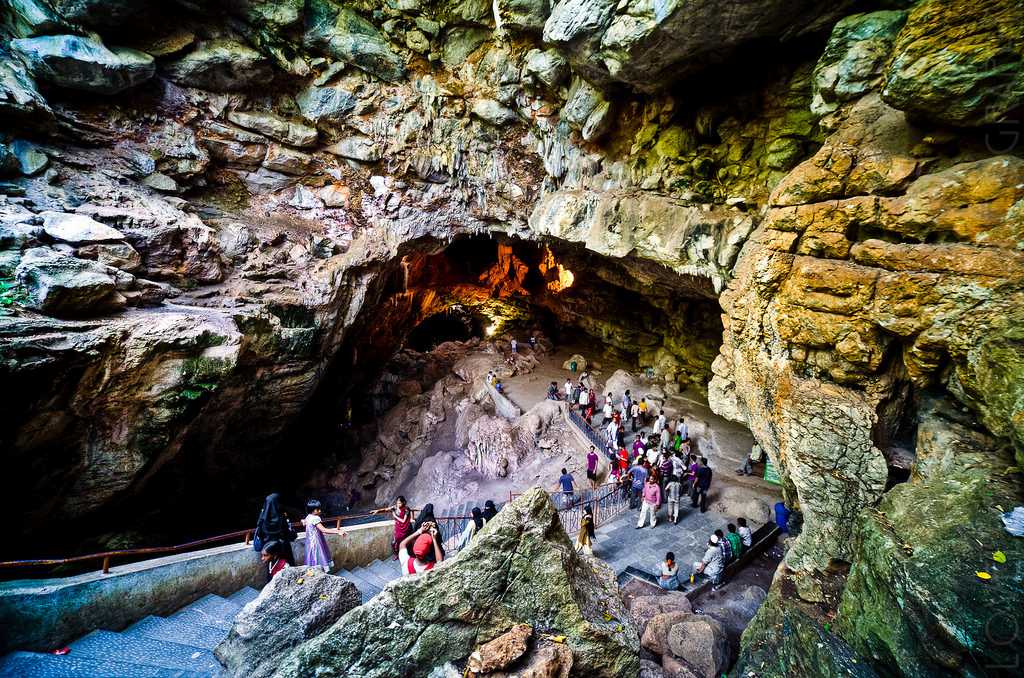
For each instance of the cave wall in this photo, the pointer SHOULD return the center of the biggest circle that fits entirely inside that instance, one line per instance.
(244, 180)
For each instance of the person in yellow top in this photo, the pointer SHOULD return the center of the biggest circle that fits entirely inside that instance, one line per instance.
(643, 411)
(585, 538)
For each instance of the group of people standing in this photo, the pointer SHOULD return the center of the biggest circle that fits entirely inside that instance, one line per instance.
(274, 535)
(419, 545)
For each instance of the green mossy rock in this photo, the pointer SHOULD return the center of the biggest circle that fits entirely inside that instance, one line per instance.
(913, 600)
(520, 569)
(959, 62)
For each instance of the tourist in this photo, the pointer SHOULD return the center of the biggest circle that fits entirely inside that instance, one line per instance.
(638, 446)
(625, 486)
(727, 553)
(651, 502)
(273, 555)
(591, 399)
(664, 470)
(273, 525)
(710, 565)
(623, 461)
(659, 423)
(691, 474)
(592, 460)
(682, 429)
(318, 554)
(627, 402)
(672, 491)
(643, 412)
(585, 537)
(665, 438)
(652, 455)
(678, 466)
(668, 576)
(498, 387)
(421, 550)
(620, 436)
(634, 415)
(489, 511)
(426, 515)
(701, 486)
(553, 391)
(585, 379)
(607, 411)
(533, 341)
(515, 345)
(474, 525)
(639, 475)
(403, 523)
(756, 456)
(566, 483)
(583, 399)
(568, 390)
(782, 516)
(611, 430)
(734, 540)
(745, 536)
(490, 377)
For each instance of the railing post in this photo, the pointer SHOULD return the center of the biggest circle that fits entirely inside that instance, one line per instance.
(337, 524)
(106, 565)
(248, 537)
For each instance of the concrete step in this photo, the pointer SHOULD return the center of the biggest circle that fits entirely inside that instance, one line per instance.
(33, 665)
(201, 617)
(244, 596)
(380, 573)
(366, 589)
(104, 645)
(177, 631)
(215, 606)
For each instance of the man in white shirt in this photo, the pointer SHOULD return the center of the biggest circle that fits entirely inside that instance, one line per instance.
(659, 423)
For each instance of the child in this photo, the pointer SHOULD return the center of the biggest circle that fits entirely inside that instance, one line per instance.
(668, 577)
(317, 552)
(403, 523)
(745, 537)
(672, 490)
(585, 538)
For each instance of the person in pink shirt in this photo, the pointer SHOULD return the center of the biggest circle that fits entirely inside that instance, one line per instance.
(651, 501)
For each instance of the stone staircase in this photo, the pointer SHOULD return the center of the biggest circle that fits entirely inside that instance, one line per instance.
(178, 646)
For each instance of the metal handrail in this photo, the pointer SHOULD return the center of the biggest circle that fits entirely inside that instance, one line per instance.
(106, 556)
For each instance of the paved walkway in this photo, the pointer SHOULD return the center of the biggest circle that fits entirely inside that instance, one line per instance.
(621, 545)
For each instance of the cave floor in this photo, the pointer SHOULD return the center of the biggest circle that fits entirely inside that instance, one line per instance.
(725, 443)
(621, 545)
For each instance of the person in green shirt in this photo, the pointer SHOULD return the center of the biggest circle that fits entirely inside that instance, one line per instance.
(735, 541)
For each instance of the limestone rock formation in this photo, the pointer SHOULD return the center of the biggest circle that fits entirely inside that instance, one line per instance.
(521, 569)
(298, 604)
(83, 63)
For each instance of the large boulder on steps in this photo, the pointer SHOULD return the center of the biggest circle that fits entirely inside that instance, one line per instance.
(645, 608)
(298, 604)
(520, 569)
(655, 637)
(702, 643)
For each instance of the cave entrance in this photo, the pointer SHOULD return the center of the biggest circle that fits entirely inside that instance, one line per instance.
(453, 324)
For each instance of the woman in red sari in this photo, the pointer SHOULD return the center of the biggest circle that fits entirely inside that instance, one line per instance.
(403, 523)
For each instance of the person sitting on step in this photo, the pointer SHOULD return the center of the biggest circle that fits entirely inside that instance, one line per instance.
(668, 573)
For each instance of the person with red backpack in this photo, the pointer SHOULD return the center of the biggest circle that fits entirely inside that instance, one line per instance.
(420, 551)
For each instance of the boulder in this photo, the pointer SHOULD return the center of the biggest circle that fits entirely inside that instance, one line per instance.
(81, 63)
(649, 669)
(64, 286)
(547, 68)
(581, 363)
(325, 104)
(702, 643)
(356, 147)
(460, 42)
(274, 126)
(288, 161)
(343, 34)
(520, 569)
(119, 255)
(980, 81)
(522, 15)
(30, 159)
(77, 228)
(492, 112)
(645, 608)
(655, 636)
(220, 66)
(298, 604)
(854, 58)
(502, 651)
(9, 165)
(547, 659)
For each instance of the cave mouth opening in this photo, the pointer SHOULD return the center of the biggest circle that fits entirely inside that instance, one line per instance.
(453, 324)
